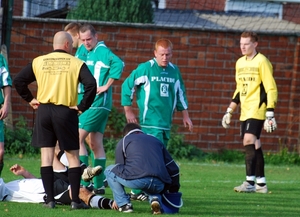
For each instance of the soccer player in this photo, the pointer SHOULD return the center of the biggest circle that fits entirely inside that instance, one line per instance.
(142, 162)
(5, 100)
(73, 30)
(31, 190)
(159, 91)
(256, 92)
(106, 67)
(57, 75)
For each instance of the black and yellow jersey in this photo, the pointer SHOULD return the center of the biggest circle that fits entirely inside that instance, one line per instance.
(256, 89)
(57, 78)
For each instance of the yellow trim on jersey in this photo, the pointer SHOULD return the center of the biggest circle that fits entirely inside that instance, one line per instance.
(256, 88)
(57, 71)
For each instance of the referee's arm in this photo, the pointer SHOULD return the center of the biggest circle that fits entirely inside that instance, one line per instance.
(22, 80)
(90, 88)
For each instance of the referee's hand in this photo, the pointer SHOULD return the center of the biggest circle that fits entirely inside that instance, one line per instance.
(76, 108)
(34, 103)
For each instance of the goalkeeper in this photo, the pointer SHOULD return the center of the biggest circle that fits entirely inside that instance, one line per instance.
(256, 92)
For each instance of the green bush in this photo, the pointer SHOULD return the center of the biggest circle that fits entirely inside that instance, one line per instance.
(18, 142)
(115, 124)
(179, 149)
(18, 139)
(282, 157)
(129, 11)
(225, 155)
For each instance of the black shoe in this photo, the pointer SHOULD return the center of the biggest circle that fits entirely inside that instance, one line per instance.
(99, 190)
(126, 208)
(49, 205)
(80, 205)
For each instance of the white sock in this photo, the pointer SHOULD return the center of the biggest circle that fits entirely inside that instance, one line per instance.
(94, 201)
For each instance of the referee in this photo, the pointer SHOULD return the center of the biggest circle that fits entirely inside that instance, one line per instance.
(57, 75)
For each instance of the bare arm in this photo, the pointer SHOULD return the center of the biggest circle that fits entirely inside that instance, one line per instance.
(7, 100)
(187, 120)
(106, 86)
(130, 117)
(21, 171)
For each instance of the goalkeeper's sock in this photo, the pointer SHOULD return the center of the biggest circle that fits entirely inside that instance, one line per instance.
(250, 160)
(260, 163)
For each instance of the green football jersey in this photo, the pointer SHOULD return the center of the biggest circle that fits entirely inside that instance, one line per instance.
(103, 64)
(5, 79)
(159, 91)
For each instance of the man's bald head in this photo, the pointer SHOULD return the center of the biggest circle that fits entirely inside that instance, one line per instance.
(63, 41)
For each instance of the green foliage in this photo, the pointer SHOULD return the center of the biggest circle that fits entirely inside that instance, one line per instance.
(115, 124)
(129, 11)
(179, 150)
(110, 147)
(283, 157)
(225, 155)
(18, 140)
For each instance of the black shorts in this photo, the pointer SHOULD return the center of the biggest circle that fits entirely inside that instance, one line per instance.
(252, 126)
(56, 123)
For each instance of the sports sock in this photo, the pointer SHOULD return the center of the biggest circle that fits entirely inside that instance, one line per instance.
(260, 163)
(84, 159)
(47, 176)
(74, 175)
(250, 161)
(100, 202)
(136, 191)
(98, 180)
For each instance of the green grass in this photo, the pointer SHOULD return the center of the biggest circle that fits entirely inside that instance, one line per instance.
(207, 190)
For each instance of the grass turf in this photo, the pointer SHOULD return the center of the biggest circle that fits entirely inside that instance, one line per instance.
(207, 190)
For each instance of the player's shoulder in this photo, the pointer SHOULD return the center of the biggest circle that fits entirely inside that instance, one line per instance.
(101, 47)
(262, 56)
(173, 66)
(147, 64)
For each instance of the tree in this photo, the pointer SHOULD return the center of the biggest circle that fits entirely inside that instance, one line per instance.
(128, 11)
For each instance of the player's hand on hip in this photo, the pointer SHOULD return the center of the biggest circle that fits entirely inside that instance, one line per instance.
(76, 108)
(34, 103)
(226, 118)
(270, 123)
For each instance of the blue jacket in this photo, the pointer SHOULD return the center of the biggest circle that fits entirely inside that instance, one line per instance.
(140, 155)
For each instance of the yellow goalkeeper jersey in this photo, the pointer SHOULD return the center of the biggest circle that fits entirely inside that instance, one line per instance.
(256, 88)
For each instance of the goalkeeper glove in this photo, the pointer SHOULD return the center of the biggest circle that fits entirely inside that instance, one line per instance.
(270, 123)
(226, 118)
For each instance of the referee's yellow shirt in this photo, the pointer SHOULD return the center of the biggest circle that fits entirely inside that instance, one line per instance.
(57, 78)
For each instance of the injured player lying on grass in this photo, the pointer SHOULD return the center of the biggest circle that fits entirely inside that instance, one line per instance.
(31, 190)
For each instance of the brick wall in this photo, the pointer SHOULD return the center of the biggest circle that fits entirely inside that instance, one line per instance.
(291, 12)
(206, 60)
